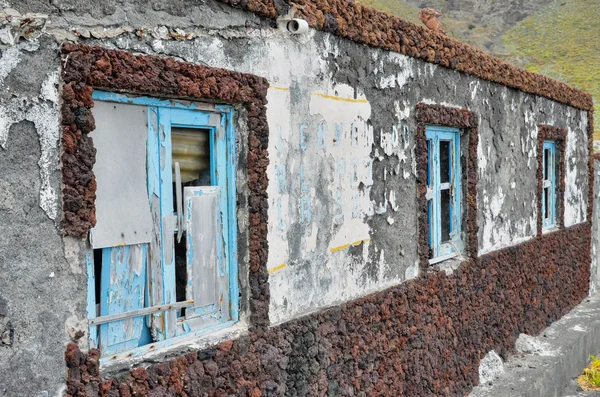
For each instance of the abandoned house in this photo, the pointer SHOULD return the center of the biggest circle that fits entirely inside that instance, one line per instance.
(268, 197)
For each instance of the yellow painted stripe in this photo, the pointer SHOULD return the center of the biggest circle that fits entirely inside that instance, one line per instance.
(337, 98)
(340, 248)
(346, 246)
(276, 268)
(279, 88)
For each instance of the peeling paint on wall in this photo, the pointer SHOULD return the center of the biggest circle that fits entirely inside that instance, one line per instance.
(45, 118)
(8, 62)
(42, 111)
(320, 215)
(575, 203)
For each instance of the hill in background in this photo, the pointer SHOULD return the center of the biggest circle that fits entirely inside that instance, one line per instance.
(561, 41)
(557, 38)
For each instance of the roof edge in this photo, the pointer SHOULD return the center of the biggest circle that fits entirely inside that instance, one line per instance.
(363, 24)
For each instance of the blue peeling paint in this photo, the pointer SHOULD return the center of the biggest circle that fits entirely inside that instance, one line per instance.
(123, 289)
(149, 101)
(354, 134)
(280, 175)
(322, 135)
(305, 210)
(303, 137)
(167, 213)
(338, 131)
(91, 296)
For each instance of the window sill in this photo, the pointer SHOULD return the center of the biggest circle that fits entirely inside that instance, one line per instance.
(447, 265)
(193, 341)
(550, 230)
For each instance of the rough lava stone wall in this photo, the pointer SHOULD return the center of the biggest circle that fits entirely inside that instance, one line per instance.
(559, 135)
(422, 338)
(86, 68)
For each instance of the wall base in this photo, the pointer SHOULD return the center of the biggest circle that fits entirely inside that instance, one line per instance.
(566, 347)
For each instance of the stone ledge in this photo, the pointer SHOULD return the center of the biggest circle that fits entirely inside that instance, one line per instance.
(567, 345)
(573, 390)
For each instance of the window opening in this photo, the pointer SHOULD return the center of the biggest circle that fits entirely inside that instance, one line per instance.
(549, 171)
(183, 279)
(191, 151)
(97, 278)
(443, 192)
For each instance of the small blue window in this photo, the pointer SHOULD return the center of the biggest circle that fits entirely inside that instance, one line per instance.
(549, 185)
(444, 193)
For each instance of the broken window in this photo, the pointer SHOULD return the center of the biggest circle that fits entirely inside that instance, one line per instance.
(443, 193)
(162, 261)
(549, 171)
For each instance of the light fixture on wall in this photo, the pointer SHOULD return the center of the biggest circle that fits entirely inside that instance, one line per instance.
(297, 26)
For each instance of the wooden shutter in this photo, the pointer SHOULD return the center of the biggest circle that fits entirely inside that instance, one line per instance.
(204, 249)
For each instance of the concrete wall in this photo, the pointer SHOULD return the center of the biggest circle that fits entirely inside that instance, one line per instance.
(595, 269)
(343, 189)
(42, 279)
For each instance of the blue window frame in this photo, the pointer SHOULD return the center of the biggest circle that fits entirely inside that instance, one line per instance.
(444, 192)
(132, 315)
(549, 185)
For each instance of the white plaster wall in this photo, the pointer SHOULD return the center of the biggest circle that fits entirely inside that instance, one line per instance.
(507, 216)
(319, 131)
(575, 199)
(339, 139)
(501, 193)
(306, 108)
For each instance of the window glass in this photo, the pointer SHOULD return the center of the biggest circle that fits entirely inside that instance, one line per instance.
(546, 163)
(191, 148)
(445, 161)
(445, 215)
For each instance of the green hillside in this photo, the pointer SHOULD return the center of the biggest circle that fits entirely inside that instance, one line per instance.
(561, 41)
(557, 38)
(461, 25)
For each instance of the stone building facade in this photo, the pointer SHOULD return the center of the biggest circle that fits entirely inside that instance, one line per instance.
(197, 201)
